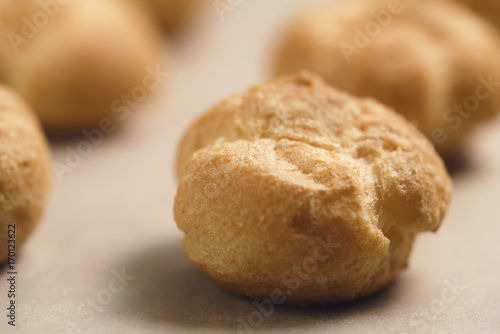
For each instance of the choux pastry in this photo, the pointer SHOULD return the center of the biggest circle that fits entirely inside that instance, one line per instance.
(297, 193)
(25, 173)
(419, 57)
(71, 60)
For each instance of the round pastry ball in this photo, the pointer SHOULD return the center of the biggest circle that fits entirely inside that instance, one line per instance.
(25, 171)
(75, 70)
(295, 191)
(488, 8)
(435, 62)
(172, 13)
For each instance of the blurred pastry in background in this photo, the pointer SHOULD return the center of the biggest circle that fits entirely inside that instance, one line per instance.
(71, 62)
(173, 13)
(488, 8)
(435, 62)
(25, 172)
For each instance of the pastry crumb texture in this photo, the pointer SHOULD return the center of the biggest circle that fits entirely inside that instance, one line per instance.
(296, 174)
(25, 170)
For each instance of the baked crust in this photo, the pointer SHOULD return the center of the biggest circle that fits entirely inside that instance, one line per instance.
(88, 55)
(422, 61)
(296, 173)
(25, 172)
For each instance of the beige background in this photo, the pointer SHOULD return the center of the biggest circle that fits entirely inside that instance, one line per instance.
(114, 211)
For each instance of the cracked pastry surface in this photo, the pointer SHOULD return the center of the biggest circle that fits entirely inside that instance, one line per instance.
(422, 61)
(295, 175)
(25, 170)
